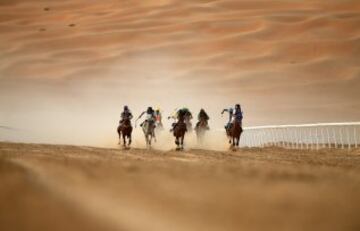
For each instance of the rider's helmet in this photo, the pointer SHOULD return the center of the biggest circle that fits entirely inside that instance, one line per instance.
(149, 110)
(237, 107)
(157, 110)
(126, 108)
(202, 110)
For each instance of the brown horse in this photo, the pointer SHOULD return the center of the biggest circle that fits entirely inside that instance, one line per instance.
(234, 133)
(179, 133)
(200, 130)
(125, 129)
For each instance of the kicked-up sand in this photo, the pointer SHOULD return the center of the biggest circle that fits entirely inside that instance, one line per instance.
(58, 187)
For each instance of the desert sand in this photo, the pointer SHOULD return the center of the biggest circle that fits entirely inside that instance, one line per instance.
(59, 187)
(68, 67)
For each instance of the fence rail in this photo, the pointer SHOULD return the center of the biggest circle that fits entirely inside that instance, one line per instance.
(303, 136)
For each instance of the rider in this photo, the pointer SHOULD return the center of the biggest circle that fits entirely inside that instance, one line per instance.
(183, 114)
(238, 114)
(234, 114)
(150, 116)
(202, 116)
(187, 117)
(158, 117)
(126, 114)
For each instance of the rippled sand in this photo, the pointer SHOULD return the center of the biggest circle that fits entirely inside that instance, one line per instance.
(298, 49)
(284, 61)
(53, 187)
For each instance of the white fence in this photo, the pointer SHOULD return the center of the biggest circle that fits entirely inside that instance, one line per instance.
(303, 136)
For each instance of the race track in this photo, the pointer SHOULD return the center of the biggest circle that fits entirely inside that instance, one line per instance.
(58, 187)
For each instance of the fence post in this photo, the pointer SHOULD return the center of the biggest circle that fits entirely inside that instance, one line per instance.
(307, 140)
(323, 143)
(355, 138)
(334, 136)
(290, 139)
(277, 137)
(348, 137)
(317, 138)
(328, 137)
(341, 139)
(255, 138)
(300, 139)
(283, 137)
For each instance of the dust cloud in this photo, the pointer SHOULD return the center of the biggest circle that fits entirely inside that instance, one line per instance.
(87, 113)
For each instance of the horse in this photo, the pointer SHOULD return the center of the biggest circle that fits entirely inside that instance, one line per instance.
(159, 127)
(234, 133)
(179, 132)
(200, 130)
(148, 128)
(188, 125)
(125, 129)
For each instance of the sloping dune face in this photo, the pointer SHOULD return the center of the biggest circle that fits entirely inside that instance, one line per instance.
(284, 61)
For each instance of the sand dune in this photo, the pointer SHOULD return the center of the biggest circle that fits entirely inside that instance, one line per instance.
(74, 187)
(304, 54)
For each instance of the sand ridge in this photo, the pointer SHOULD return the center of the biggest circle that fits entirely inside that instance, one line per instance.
(250, 44)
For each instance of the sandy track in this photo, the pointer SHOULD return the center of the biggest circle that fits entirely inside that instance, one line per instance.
(73, 188)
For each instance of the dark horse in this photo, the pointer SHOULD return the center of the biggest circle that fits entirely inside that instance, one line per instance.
(234, 133)
(179, 133)
(125, 129)
(200, 130)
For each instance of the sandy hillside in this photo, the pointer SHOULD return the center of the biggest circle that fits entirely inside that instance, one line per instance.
(48, 187)
(60, 60)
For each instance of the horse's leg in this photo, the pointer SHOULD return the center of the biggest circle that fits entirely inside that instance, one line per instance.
(177, 142)
(124, 139)
(182, 142)
(146, 140)
(119, 133)
(153, 134)
(130, 139)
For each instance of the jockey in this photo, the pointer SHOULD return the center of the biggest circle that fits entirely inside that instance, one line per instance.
(126, 114)
(150, 116)
(238, 114)
(158, 117)
(202, 116)
(187, 114)
(183, 114)
(234, 114)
